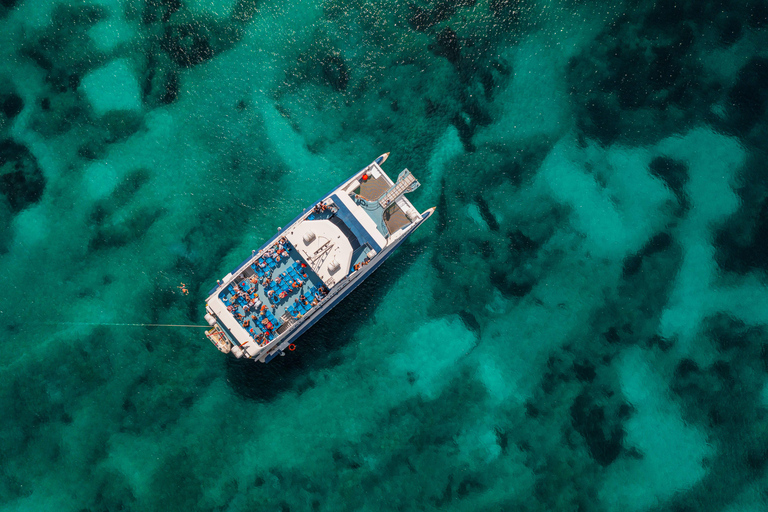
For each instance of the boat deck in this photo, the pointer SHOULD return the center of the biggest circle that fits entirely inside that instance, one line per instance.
(387, 220)
(266, 309)
(395, 218)
(367, 196)
(373, 188)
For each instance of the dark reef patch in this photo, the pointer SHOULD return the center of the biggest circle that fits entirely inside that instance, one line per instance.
(742, 244)
(159, 10)
(437, 11)
(726, 395)
(470, 321)
(508, 11)
(187, 44)
(21, 179)
(748, 97)
(448, 45)
(657, 244)
(171, 88)
(485, 213)
(112, 228)
(602, 432)
(116, 233)
(335, 71)
(641, 74)
(673, 173)
(757, 13)
(509, 285)
(11, 105)
(585, 371)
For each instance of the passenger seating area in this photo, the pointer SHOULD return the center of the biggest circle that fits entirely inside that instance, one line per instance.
(291, 280)
(306, 301)
(257, 307)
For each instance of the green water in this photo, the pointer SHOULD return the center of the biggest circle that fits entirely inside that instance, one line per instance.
(581, 326)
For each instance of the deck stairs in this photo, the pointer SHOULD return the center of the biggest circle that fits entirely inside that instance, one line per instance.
(406, 182)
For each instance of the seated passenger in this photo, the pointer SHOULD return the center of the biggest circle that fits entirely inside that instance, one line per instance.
(270, 293)
(278, 280)
(283, 295)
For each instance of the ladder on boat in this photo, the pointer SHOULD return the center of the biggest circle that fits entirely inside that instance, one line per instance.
(406, 182)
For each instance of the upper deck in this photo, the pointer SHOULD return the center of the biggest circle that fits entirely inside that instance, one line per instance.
(291, 275)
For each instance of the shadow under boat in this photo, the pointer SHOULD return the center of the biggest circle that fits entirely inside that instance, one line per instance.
(320, 346)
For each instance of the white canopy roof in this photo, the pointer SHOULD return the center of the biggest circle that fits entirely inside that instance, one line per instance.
(327, 245)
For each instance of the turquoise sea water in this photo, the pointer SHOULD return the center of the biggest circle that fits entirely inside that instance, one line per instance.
(583, 326)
